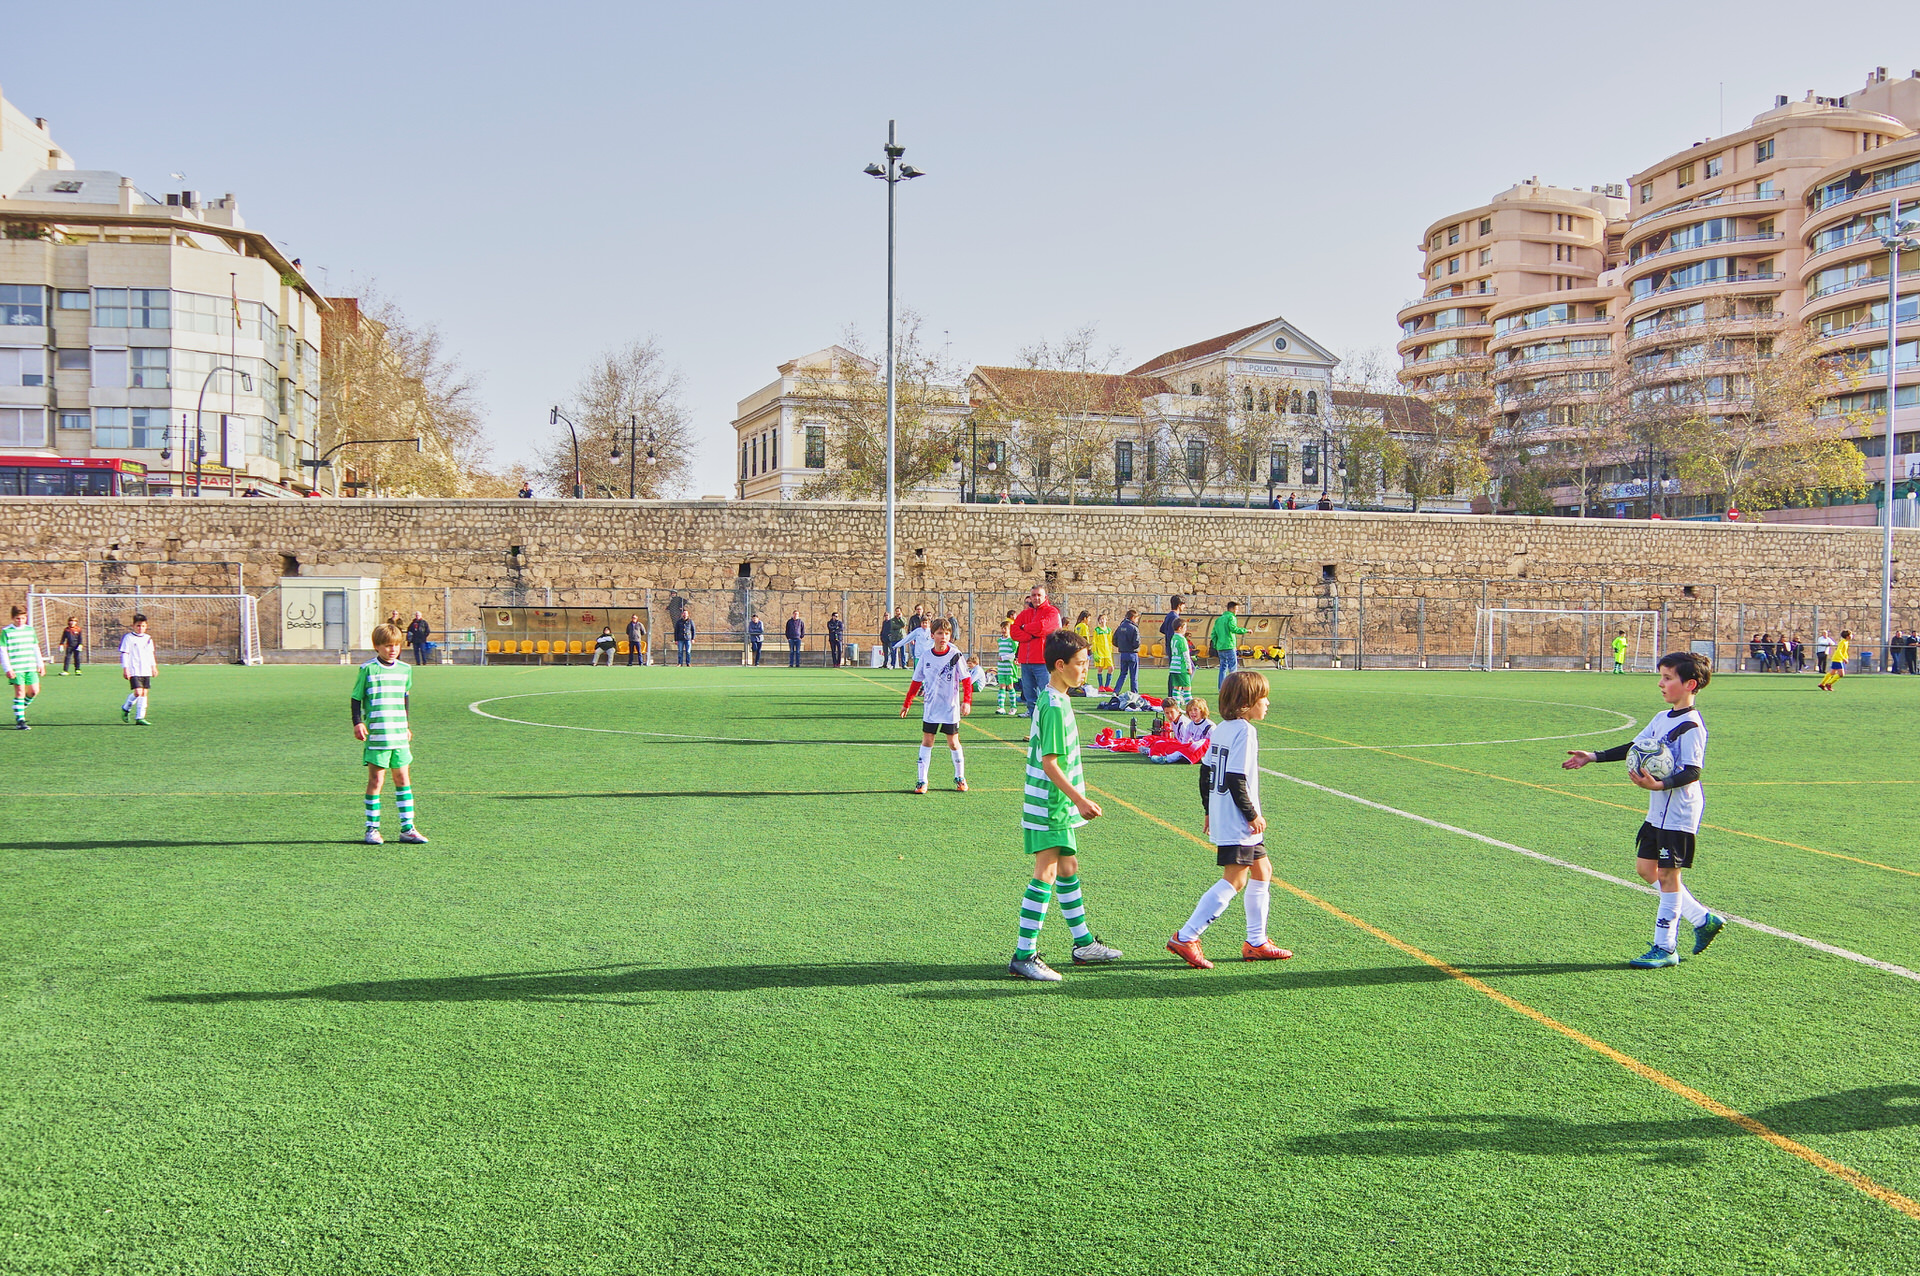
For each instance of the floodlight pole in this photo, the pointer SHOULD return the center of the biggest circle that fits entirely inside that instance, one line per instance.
(1895, 240)
(893, 174)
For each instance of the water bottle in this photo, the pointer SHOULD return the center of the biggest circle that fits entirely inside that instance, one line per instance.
(1133, 728)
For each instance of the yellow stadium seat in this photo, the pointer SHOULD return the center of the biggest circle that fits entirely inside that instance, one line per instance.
(540, 647)
(573, 647)
(620, 646)
(1157, 651)
(511, 646)
(493, 646)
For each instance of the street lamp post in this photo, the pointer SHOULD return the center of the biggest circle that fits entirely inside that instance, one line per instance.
(579, 493)
(633, 452)
(893, 174)
(1897, 241)
(325, 459)
(199, 427)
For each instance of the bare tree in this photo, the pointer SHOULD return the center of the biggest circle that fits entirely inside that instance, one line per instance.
(385, 377)
(929, 408)
(627, 389)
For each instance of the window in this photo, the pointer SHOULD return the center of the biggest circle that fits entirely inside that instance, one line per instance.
(1453, 234)
(743, 460)
(1486, 225)
(1453, 265)
(1313, 403)
(197, 312)
(1123, 462)
(142, 428)
(23, 304)
(1194, 389)
(75, 421)
(1683, 176)
(1486, 256)
(816, 447)
(1765, 190)
(79, 300)
(1646, 193)
(22, 366)
(1713, 167)
(1765, 227)
(130, 308)
(147, 367)
(1277, 463)
(73, 360)
(110, 369)
(1436, 239)
(1310, 463)
(1196, 460)
(1763, 151)
(23, 427)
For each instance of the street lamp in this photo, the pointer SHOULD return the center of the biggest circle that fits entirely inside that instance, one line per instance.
(199, 427)
(325, 459)
(558, 416)
(893, 174)
(633, 451)
(1898, 239)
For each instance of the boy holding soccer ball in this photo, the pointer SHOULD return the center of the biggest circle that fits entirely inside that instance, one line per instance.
(1665, 759)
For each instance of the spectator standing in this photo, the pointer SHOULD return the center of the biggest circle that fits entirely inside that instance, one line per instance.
(1225, 641)
(683, 639)
(1126, 653)
(418, 631)
(1172, 622)
(1823, 651)
(604, 645)
(892, 630)
(756, 634)
(796, 634)
(526, 491)
(1031, 628)
(636, 639)
(71, 640)
(836, 639)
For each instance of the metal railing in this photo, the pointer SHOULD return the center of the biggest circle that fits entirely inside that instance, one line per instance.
(1706, 243)
(1740, 277)
(1822, 202)
(1864, 281)
(1708, 201)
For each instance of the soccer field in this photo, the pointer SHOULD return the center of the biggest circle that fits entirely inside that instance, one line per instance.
(687, 981)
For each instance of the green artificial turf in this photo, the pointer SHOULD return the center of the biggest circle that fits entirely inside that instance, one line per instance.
(698, 986)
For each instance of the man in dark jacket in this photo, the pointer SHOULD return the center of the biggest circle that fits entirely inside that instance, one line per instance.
(1126, 653)
(836, 635)
(756, 634)
(418, 631)
(892, 630)
(683, 638)
(1173, 618)
(636, 639)
(796, 631)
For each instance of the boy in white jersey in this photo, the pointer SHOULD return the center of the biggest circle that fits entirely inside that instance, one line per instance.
(380, 697)
(944, 676)
(1665, 844)
(1230, 797)
(20, 659)
(138, 664)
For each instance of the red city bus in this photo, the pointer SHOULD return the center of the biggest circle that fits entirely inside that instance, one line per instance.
(71, 476)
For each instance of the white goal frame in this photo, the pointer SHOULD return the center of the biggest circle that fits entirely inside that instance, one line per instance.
(237, 630)
(1493, 626)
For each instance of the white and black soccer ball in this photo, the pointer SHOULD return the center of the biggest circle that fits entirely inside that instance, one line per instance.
(1651, 758)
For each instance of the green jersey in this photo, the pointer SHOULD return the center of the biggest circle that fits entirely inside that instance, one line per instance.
(1226, 632)
(381, 693)
(1619, 650)
(1055, 733)
(1009, 649)
(1179, 655)
(20, 650)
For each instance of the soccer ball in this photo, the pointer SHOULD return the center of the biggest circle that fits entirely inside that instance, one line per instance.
(1652, 759)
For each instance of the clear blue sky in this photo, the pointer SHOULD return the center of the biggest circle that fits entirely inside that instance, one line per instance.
(544, 181)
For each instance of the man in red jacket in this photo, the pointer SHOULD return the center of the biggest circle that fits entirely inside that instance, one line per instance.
(1030, 629)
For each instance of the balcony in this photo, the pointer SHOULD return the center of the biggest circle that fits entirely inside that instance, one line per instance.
(1458, 298)
(1865, 281)
(1705, 243)
(1739, 277)
(1515, 328)
(1823, 202)
(1707, 201)
(1536, 359)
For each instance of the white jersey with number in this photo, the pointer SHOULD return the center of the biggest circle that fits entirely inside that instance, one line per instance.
(1685, 735)
(941, 674)
(1234, 749)
(137, 659)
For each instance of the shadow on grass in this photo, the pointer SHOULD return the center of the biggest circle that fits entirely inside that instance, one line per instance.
(1671, 1141)
(621, 980)
(167, 843)
(695, 793)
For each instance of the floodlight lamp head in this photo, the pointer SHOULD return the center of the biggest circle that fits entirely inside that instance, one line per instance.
(895, 150)
(874, 170)
(909, 171)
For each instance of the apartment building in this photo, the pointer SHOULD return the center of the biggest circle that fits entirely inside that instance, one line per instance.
(1722, 246)
(162, 333)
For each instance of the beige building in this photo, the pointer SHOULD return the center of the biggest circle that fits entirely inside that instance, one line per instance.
(1746, 234)
(118, 310)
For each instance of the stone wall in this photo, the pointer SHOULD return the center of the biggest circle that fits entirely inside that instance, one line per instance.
(1710, 577)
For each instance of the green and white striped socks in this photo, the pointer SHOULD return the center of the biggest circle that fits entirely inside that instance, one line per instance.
(19, 708)
(403, 798)
(1067, 892)
(373, 810)
(1033, 912)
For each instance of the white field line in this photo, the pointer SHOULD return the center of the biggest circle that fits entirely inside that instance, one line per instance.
(668, 735)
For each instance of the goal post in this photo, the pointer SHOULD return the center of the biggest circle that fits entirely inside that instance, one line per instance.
(1563, 638)
(186, 628)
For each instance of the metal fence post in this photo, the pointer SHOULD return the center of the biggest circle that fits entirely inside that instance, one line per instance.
(1739, 637)
(1420, 627)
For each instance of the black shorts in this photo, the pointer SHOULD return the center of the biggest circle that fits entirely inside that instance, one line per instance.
(1225, 855)
(140, 681)
(1673, 848)
(939, 728)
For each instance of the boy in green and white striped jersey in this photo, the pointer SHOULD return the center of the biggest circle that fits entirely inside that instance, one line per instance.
(1054, 806)
(20, 660)
(380, 722)
(1179, 666)
(1006, 676)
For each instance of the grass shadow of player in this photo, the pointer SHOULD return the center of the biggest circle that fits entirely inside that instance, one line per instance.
(1172, 979)
(1674, 1141)
(692, 793)
(161, 843)
(978, 980)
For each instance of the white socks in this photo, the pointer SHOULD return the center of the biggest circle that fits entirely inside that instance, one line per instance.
(926, 756)
(1666, 925)
(1211, 905)
(1690, 908)
(128, 702)
(959, 766)
(1256, 900)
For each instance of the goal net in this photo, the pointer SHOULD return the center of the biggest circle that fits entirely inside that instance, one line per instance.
(208, 628)
(1570, 638)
